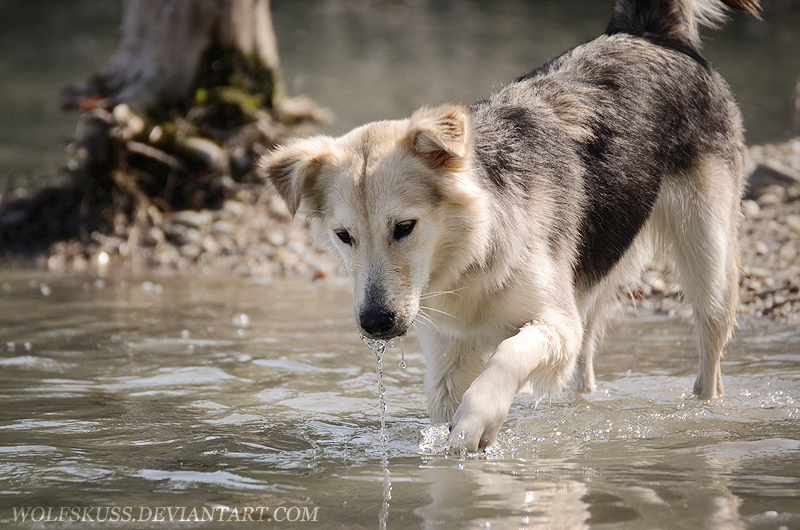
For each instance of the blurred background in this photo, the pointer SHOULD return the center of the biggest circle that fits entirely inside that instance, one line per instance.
(368, 60)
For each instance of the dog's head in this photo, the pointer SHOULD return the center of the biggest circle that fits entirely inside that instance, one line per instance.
(398, 202)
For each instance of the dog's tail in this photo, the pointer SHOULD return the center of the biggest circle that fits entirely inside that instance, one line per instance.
(674, 19)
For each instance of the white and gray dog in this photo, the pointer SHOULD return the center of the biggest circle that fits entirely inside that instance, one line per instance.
(505, 228)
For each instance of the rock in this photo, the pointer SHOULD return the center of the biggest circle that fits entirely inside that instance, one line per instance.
(788, 252)
(751, 209)
(793, 222)
(223, 227)
(234, 207)
(153, 237)
(769, 199)
(276, 239)
(191, 218)
(191, 251)
(763, 176)
(210, 245)
(176, 233)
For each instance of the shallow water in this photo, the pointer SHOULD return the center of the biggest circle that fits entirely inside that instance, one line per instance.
(139, 397)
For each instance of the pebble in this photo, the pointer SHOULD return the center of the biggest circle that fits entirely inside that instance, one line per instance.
(191, 218)
(223, 227)
(191, 251)
(236, 208)
(768, 199)
(751, 209)
(276, 239)
(793, 222)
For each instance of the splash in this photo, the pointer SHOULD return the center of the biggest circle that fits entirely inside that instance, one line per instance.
(434, 439)
(378, 347)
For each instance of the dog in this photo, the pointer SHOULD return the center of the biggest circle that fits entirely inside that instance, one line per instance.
(505, 228)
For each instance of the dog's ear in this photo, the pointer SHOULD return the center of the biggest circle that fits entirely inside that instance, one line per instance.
(294, 167)
(441, 136)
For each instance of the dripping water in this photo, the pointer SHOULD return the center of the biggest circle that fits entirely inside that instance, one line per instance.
(402, 352)
(378, 347)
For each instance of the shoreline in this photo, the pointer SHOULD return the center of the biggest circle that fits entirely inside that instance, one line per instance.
(253, 234)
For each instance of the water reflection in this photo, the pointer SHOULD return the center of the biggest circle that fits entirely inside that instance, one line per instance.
(158, 392)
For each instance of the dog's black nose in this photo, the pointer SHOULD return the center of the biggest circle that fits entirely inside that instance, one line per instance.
(377, 323)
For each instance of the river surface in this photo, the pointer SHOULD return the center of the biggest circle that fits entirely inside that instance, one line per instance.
(139, 401)
(369, 60)
(200, 402)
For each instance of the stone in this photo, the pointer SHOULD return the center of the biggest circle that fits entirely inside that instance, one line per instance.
(751, 209)
(793, 222)
(191, 218)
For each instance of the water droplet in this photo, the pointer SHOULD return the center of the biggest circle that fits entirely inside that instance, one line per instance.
(402, 365)
(241, 320)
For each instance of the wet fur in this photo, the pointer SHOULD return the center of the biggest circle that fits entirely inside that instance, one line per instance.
(532, 207)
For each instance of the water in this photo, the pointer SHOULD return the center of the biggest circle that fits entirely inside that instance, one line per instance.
(378, 347)
(372, 60)
(146, 394)
(134, 401)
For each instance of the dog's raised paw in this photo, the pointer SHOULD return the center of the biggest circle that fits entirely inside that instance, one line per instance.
(460, 443)
(476, 423)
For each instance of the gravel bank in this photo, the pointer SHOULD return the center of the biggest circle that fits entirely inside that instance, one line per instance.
(254, 235)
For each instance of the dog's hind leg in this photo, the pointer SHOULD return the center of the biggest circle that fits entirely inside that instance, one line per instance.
(583, 380)
(699, 217)
(595, 305)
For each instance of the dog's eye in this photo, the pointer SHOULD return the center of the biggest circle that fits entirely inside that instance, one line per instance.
(403, 229)
(344, 236)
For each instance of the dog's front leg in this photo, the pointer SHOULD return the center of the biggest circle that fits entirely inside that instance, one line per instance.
(540, 359)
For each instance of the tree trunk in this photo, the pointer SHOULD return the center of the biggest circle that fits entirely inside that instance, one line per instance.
(164, 43)
(175, 120)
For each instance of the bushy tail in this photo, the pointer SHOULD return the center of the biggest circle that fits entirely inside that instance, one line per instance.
(675, 19)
